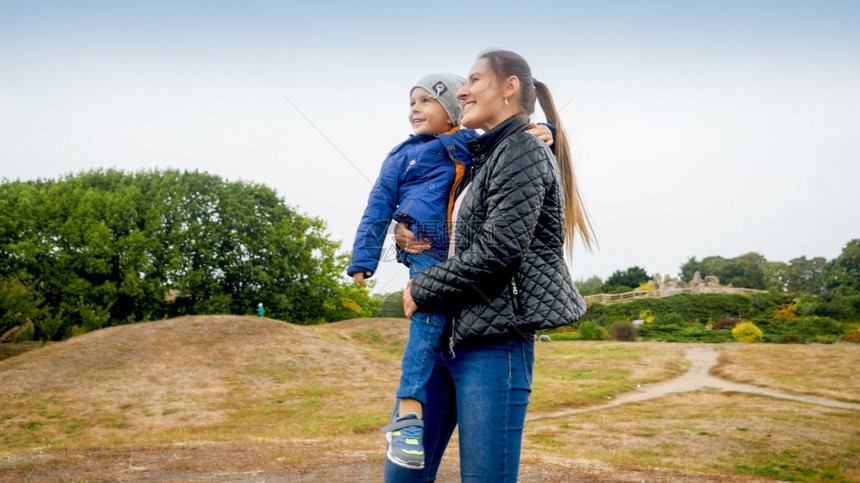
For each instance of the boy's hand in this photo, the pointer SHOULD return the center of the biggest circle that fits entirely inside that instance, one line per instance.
(360, 276)
(406, 239)
(541, 132)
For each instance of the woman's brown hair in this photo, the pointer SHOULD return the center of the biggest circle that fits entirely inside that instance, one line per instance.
(505, 64)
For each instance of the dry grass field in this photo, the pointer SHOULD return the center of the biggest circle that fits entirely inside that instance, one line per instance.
(223, 398)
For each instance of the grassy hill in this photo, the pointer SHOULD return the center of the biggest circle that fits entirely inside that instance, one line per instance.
(208, 377)
(208, 395)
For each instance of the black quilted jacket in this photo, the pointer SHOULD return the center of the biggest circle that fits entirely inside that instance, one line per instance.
(508, 277)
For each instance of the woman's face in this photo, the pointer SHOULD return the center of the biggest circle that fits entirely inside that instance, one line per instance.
(483, 99)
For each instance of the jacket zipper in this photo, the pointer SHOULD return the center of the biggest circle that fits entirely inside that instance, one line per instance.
(515, 297)
(451, 340)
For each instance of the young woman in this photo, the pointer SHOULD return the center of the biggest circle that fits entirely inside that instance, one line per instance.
(505, 278)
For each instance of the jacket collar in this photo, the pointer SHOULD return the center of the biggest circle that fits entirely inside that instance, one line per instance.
(487, 142)
(423, 138)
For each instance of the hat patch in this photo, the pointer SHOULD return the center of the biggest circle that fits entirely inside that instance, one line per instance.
(439, 88)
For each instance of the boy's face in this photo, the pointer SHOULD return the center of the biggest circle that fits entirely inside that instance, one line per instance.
(426, 114)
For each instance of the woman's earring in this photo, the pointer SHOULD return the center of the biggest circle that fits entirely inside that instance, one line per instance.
(506, 102)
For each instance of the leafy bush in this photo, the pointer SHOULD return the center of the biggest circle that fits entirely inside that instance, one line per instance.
(747, 332)
(766, 303)
(693, 307)
(18, 302)
(647, 316)
(809, 328)
(672, 318)
(726, 323)
(565, 336)
(787, 311)
(789, 339)
(589, 330)
(852, 336)
(661, 333)
(622, 330)
(682, 318)
(689, 332)
(696, 332)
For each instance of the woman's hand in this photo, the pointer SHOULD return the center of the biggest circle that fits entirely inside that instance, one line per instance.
(409, 306)
(541, 132)
(406, 240)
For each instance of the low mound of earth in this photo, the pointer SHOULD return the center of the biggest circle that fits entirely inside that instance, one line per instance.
(252, 399)
(188, 372)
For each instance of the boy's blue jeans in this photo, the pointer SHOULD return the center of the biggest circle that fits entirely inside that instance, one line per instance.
(425, 331)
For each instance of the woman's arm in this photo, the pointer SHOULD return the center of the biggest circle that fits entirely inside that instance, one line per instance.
(516, 191)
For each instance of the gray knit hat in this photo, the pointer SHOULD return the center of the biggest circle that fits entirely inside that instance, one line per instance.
(443, 88)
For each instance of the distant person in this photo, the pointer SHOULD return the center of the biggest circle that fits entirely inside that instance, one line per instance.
(505, 276)
(414, 186)
(261, 311)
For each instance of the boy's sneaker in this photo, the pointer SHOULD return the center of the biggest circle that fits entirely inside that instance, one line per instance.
(406, 441)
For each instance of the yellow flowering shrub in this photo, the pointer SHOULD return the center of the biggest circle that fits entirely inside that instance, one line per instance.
(647, 316)
(747, 332)
(788, 311)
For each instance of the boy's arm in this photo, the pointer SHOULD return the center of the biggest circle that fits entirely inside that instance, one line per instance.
(545, 132)
(370, 236)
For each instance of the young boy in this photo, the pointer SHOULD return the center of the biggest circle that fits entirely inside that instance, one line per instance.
(415, 186)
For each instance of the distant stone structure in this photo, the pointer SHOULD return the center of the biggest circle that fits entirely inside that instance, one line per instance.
(661, 286)
(670, 285)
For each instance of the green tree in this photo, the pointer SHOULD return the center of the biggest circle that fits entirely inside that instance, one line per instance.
(590, 286)
(806, 276)
(107, 247)
(775, 276)
(631, 278)
(392, 305)
(18, 303)
(843, 272)
(744, 271)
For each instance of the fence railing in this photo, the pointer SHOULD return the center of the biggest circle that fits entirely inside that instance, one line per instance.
(614, 298)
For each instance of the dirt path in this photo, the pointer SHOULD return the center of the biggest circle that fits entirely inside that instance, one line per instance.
(698, 377)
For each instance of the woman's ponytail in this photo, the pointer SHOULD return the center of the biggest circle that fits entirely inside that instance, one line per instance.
(576, 218)
(506, 63)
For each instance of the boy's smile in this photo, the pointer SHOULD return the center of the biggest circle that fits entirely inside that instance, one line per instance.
(426, 114)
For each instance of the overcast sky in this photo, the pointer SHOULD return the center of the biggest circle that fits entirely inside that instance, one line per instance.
(699, 128)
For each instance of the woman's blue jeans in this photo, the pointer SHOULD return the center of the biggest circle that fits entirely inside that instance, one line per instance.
(484, 391)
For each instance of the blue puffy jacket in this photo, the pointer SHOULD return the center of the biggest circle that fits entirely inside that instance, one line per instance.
(414, 185)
